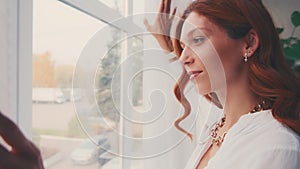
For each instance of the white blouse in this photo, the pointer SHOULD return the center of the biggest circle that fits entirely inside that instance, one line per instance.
(256, 141)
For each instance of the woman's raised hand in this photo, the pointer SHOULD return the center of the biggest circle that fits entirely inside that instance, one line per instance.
(23, 154)
(162, 25)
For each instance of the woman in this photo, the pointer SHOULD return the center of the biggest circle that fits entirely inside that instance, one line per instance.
(260, 126)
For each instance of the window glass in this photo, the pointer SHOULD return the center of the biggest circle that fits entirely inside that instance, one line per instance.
(69, 133)
(118, 5)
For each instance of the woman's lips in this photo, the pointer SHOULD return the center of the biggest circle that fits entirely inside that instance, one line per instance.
(194, 74)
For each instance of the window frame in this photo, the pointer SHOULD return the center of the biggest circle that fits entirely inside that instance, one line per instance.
(25, 30)
(100, 11)
(18, 78)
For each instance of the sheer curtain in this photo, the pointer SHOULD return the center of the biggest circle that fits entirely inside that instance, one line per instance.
(167, 147)
(164, 146)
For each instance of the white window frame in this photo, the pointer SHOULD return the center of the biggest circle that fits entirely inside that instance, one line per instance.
(24, 62)
(17, 76)
(100, 11)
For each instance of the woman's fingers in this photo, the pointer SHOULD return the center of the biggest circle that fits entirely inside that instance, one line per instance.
(11, 160)
(24, 154)
(167, 6)
(6, 158)
(12, 135)
(162, 25)
(147, 25)
(173, 14)
(162, 6)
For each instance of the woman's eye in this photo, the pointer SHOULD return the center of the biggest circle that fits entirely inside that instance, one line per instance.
(198, 39)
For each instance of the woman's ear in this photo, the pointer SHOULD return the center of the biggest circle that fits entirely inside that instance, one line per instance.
(252, 42)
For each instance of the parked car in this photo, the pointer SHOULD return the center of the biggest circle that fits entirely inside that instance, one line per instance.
(89, 151)
(104, 158)
(48, 95)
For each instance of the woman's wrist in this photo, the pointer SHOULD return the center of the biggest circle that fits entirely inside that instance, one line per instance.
(165, 43)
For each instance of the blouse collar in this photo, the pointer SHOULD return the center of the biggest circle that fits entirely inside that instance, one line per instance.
(246, 124)
(250, 122)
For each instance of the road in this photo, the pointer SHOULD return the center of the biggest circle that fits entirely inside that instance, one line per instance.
(64, 160)
(50, 116)
(56, 117)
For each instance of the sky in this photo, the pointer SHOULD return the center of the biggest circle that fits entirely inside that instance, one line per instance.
(65, 31)
(61, 30)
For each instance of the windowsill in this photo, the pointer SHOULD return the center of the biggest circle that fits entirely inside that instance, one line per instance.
(115, 163)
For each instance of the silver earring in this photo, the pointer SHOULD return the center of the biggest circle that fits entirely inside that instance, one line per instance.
(246, 57)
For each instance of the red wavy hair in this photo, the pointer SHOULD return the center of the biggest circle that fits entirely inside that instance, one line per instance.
(270, 76)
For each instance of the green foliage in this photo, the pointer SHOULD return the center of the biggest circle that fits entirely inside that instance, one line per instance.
(137, 83)
(296, 18)
(291, 44)
(109, 72)
(108, 78)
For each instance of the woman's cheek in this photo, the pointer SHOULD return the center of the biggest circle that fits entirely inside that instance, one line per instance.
(211, 60)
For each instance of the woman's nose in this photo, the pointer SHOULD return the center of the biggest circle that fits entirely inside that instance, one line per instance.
(186, 57)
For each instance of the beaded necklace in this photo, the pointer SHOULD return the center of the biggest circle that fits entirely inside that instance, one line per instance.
(218, 140)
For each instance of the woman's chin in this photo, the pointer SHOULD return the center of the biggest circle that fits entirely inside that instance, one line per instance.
(203, 90)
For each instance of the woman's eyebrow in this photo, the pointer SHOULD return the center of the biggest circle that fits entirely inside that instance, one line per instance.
(201, 29)
(190, 33)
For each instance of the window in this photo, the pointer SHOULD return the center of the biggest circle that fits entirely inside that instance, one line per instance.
(77, 54)
(54, 120)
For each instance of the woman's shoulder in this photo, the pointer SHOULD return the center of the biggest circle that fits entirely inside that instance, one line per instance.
(280, 136)
(271, 143)
(264, 131)
(280, 148)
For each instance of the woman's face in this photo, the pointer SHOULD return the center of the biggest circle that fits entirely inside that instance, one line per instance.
(211, 58)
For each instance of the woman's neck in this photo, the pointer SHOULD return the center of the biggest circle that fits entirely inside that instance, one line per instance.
(238, 100)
